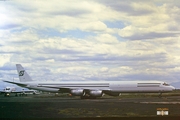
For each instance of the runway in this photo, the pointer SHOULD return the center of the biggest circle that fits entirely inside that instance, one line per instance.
(50, 106)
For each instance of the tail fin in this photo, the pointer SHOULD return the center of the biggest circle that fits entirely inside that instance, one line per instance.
(23, 75)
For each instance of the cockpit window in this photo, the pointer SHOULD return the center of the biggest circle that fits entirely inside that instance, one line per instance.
(7, 88)
(165, 84)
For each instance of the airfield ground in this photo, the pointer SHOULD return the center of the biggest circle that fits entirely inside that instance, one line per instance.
(64, 106)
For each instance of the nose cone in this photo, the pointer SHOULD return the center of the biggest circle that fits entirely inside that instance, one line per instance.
(173, 88)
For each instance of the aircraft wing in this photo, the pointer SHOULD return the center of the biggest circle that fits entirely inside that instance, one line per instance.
(62, 89)
(67, 89)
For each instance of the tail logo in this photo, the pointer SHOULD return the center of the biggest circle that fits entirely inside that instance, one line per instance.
(21, 73)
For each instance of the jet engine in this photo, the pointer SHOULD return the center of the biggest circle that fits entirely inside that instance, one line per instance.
(77, 92)
(96, 93)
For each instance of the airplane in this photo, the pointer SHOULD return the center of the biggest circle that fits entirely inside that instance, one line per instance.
(92, 89)
(22, 91)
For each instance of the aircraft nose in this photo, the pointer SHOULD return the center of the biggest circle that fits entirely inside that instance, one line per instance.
(173, 88)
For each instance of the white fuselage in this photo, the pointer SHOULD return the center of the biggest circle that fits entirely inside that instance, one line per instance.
(91, 88)
(111, 86)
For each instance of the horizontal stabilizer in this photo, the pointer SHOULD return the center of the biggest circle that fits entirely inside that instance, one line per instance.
(19, 84)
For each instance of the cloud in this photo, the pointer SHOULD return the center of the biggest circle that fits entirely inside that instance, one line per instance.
(4, 59)
(149, 35)
(91, 40)
(9, 26)
(134, 8)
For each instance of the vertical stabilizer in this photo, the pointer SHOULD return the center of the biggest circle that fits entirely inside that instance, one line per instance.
(23, 75)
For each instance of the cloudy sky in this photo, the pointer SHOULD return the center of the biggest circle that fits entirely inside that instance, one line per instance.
(91, 39)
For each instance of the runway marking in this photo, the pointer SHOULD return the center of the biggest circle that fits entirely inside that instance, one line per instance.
(160, 102)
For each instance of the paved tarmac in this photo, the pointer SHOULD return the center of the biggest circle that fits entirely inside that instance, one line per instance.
(50, 106)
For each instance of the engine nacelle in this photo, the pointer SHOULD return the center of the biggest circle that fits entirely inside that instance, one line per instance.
(113, 94)
(77, 92)
(96, 93)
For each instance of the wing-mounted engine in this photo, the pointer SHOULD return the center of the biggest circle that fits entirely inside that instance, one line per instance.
(77, 92)
(96, 93)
